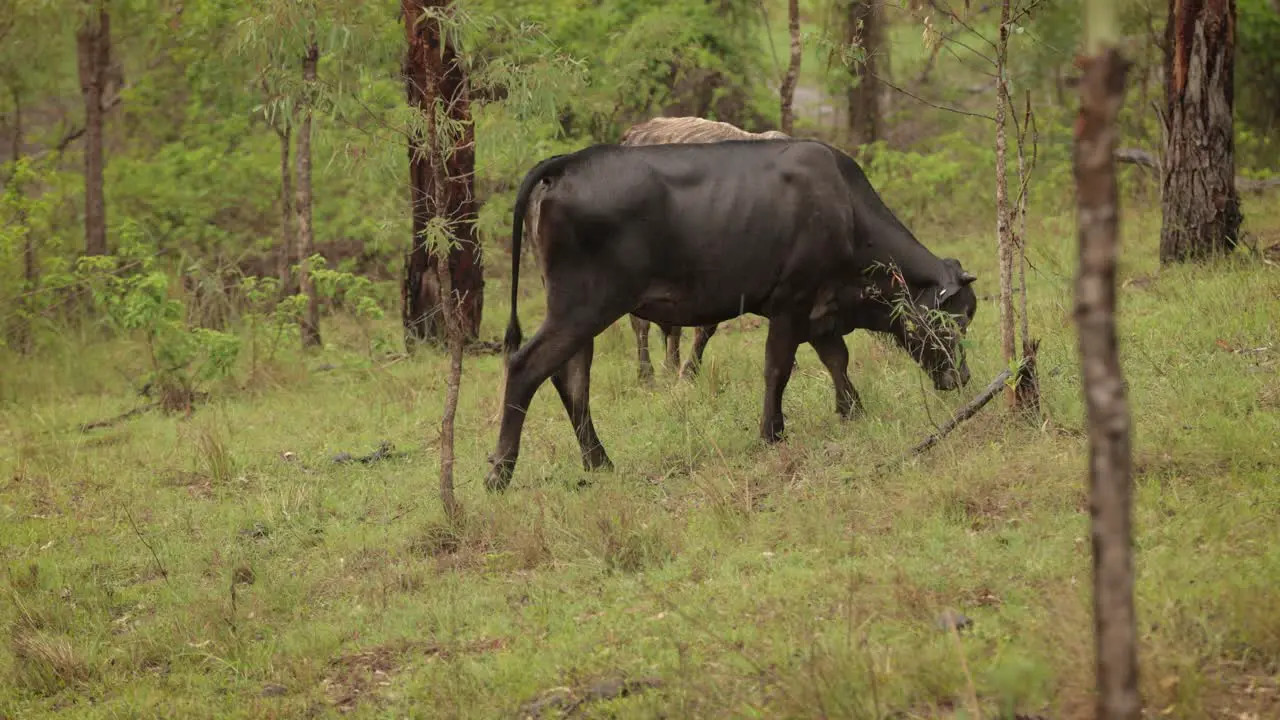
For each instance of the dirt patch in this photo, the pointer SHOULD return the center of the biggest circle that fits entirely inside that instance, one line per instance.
(567, 702)
(355, 678)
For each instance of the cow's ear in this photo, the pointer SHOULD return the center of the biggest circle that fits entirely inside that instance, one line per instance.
(966, 277)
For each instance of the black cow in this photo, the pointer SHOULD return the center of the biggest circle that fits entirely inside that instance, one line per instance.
(693, 235)
(888, 243)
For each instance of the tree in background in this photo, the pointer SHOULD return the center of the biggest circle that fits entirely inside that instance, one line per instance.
(787, 92)
(864, 29)
(93, 54)
(1110, 482)
(1200, 202)
(306, 242)
(437, 86)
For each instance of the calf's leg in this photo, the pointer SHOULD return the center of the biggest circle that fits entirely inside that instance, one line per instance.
(835, 355)
(779, 356)
(573, 383)
(672, 333)
(641, 328)
(701, 336)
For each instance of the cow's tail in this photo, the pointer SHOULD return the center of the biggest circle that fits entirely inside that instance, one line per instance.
(548, 168)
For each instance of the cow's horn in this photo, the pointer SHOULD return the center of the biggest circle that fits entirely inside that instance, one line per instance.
(967, 277)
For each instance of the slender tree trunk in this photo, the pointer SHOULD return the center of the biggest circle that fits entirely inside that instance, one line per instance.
(1110, 484)
(434, 77)
(24, 333)
(1201, 206)
(788, 89)
(1004, 233)
(455, 334)
(93, 53)
(1027, 388)
(310, 324)
(288, 255)
(865, 94)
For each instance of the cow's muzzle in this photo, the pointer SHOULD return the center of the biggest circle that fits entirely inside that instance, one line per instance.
(952, 378)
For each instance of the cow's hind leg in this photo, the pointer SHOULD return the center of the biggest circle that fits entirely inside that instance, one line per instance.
(835, 355)
(671, 334)
(641, 328)
(701, 336)
(573, 383)
(530, 366)
(779, 357)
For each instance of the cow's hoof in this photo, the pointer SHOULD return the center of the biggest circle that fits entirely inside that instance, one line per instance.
(646, 377)
(851, 413)
(499, 476)
(597, 462)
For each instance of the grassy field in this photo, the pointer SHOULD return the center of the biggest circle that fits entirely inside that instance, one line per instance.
(223, 566)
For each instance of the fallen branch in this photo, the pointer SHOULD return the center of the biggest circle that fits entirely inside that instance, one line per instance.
(961, 415)
(98, 424)
(1142, 158)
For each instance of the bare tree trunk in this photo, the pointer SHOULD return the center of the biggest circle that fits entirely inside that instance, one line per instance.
(288, 254)
(310, 322)
(1004, 233)
(23, 332)
(435, 76)
(1110, 484)
(1201, 206)
(1027, 389)
(93, 54)
(864, 97)
(788, 89)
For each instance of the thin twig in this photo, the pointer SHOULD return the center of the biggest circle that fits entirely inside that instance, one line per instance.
(138, 531)
(930, 103)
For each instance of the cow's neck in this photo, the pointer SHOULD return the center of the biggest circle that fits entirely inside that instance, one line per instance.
(882, 234)
(889, 243)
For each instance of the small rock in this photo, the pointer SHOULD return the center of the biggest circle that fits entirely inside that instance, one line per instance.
(273, 690)
(257, 532)
(950, 618)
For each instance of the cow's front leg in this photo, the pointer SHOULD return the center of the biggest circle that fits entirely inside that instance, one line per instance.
(701, 336)
(573, 383)
(641, 329)
(835, 355)
(779, 356)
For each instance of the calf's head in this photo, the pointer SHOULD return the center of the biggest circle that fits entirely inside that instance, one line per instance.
(931, 320)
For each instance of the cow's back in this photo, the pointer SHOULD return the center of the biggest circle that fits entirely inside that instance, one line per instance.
(718, 227)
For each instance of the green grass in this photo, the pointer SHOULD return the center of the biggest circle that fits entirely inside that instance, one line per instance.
(182, 568)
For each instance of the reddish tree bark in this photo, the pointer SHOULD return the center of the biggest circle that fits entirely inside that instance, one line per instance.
(310, 323)
(434, 74)
(93, 55)
(1201, 206)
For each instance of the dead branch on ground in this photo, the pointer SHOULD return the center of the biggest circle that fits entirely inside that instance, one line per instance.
(964, 413)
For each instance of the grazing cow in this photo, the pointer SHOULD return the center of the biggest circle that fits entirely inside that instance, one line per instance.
(693, 235)
(679, 130)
